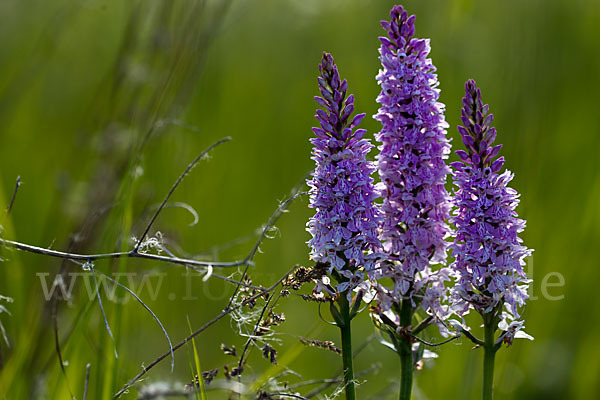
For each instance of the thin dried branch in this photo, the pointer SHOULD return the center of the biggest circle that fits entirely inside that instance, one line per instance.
(175, 185)
(151, 313)
(107, 326)
(87, 381)
(187, 207)
(57, 343)
(418, 339)
(14, 195)
(266, 395)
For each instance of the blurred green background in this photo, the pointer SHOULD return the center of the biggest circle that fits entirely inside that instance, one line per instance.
(103, 103)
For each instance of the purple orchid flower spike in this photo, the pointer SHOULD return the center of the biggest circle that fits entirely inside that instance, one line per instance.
(344, 227)
(489, 255)
(413, 173)
(411, 161)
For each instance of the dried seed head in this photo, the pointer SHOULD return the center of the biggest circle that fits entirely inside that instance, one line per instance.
(327, 344)
(317, 298)
(270, 354)
(228, 350)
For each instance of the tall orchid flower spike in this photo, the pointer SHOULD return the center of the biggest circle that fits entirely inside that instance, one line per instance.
(416, 204)
(344, 227)
(489, 255)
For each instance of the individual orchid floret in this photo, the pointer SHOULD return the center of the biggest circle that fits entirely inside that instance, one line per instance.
(411, 163)
(344, 227)
(512, 331)
(489, 255)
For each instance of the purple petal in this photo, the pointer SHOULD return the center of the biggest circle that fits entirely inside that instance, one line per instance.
(320, 133)
(464, 156)
(357, 120)
(497, 165)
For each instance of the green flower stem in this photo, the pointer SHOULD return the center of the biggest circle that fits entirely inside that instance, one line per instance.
(344, 311)
(405, 352)
(490, 325)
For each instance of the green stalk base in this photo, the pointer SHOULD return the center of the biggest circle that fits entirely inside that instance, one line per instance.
(347, 356)
(490, 325)
(405, 352)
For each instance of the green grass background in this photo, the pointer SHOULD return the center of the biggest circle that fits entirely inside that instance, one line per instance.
(95, 97)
